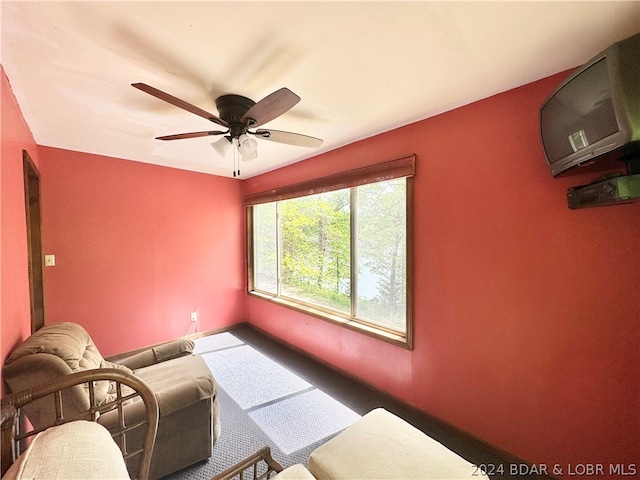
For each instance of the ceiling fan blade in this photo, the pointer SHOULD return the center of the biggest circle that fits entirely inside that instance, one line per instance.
(178, 136)
(289, 138)
(178, 103)
(270, 107)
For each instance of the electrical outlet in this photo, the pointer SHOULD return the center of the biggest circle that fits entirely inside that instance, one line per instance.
(194, 316)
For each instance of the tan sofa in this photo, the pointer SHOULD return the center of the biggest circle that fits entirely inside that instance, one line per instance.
(183, 385)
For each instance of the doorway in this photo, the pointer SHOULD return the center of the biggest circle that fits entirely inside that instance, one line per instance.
(34, 241)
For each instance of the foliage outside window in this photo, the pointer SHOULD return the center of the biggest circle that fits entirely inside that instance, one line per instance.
(339, 254)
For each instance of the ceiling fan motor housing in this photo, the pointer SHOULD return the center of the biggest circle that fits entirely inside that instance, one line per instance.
(231, 109)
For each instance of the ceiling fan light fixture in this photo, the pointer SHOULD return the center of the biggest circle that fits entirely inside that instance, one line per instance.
(222, 145)
(249, 156)
(247, 147)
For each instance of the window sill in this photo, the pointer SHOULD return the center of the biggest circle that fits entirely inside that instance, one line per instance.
(380, 334)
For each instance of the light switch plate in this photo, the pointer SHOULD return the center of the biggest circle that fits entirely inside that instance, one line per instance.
(49, 260)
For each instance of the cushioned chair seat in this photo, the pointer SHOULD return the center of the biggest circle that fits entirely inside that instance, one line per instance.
(77, 450)
(383, 446)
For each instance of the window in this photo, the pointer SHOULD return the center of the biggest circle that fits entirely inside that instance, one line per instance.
(342, 254)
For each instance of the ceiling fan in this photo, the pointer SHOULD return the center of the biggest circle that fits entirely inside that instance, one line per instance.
(240, 114)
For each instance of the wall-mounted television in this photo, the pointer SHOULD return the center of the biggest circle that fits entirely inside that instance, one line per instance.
(595, 113)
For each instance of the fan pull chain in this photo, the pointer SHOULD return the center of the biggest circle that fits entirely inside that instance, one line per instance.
(236, 161)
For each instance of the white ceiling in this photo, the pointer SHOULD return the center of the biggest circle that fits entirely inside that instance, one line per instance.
(361, 68)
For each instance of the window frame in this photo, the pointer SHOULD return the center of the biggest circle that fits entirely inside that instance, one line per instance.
(401, 168)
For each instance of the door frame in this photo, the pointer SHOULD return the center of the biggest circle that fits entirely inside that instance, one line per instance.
(34, 240)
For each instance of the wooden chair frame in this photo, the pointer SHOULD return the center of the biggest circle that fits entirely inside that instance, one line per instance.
(252, 466)
(14, 439)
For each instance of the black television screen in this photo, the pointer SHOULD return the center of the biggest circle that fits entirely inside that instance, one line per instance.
(596, 111)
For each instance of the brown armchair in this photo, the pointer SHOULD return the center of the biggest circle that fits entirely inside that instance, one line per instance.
(182, 383)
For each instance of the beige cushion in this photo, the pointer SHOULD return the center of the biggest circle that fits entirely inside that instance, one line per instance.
(67, 340)
(75, 450)
(294, 472)
(161, 353)
(71, 343)
(383, 446)
(181, 382)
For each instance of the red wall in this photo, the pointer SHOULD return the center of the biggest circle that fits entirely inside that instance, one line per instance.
(15, 136)
(138, 248)
(527, 314)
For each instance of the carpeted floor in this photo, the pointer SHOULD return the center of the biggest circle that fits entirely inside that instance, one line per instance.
(263, 403)
(273, 396)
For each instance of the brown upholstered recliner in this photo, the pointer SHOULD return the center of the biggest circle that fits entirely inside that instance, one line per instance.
(184, 387)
